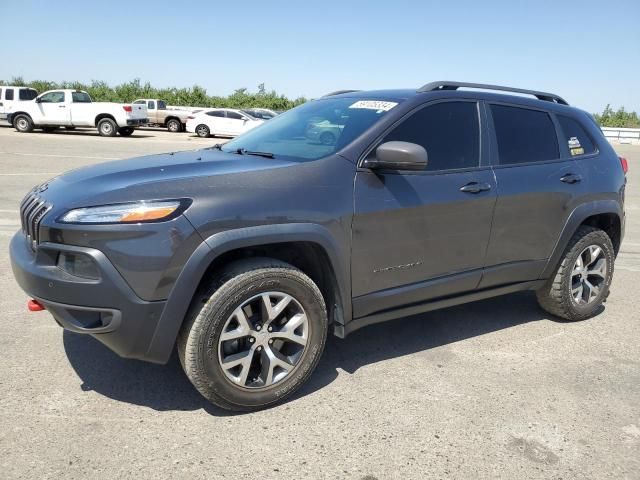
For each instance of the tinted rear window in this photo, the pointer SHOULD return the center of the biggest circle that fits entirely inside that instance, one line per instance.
(27, 94)
(449, 132)
(524, 135)
(8, 94)
(578, 141)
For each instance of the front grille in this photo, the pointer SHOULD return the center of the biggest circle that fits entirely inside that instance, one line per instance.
(32, 210)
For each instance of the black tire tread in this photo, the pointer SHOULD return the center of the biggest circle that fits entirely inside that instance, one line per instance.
(205, 302)
(553, 296)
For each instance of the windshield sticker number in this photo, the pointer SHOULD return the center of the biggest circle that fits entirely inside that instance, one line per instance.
(377, 105)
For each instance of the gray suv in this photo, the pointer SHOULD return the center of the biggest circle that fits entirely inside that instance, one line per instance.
(246, 256)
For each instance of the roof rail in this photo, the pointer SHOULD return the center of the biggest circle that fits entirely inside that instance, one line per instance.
(338, 92)
(444, 85)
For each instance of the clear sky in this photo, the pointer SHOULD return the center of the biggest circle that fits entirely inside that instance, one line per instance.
(587, 51)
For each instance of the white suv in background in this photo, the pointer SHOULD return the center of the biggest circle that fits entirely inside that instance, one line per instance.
(10, 97)
(226, 122)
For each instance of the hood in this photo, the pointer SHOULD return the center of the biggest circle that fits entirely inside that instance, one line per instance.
(150, 176)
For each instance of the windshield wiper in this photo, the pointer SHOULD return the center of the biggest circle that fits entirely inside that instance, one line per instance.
(242, 151)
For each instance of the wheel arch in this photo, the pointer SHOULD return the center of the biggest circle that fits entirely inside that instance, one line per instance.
(604, 214)
(309, 247)
(15, 114)
(102, 116)
(172, 117)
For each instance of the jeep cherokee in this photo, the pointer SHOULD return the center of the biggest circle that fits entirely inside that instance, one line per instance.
(246, 255)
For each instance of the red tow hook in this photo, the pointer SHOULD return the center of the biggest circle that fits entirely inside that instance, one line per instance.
(34, 306)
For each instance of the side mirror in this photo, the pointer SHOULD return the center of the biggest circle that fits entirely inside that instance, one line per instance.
(38, 100)
(398, 156)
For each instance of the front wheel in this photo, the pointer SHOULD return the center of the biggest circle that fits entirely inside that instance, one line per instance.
(581, 282)
(203, 131)
(23, 123)
(254, 336)
(125, 131)
(107, 128)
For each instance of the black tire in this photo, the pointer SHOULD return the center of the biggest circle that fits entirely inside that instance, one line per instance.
(23, 123)
(198, 342)
(107, 128)
(327, 138)
(556, 295)
(125, 131)
(174, 125)
(203, 131)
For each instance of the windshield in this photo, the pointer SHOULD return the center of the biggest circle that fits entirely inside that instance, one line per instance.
(313, 130)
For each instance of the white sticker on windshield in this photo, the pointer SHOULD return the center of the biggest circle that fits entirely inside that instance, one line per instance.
(378, 105)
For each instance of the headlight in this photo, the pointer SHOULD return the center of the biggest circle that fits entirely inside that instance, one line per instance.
(135, 212)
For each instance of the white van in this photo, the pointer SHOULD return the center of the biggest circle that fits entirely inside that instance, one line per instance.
(11, 97)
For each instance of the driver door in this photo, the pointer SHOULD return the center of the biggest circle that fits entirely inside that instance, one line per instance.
(421, 235)
(53, 109)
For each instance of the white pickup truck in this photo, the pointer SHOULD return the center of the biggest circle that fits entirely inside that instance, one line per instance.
(74, 108)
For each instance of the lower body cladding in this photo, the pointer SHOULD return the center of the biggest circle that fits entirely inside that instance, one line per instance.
(67, 296)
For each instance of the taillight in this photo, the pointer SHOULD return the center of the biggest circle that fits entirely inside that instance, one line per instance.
(625, 164)
(127, 108)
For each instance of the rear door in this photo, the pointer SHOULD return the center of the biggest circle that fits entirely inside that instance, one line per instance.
(421, 235)
(538, 185)
(216, 121)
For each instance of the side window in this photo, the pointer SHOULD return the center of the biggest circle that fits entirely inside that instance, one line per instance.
(151, 105)
(234, 115)
(162, 105)
(52, 97)
(524, 135)
(80, 97)
(8, 94)
(449, 132)
(578, 141)
(0, 94)
(139, 102)
(27, 94)
(216, 113)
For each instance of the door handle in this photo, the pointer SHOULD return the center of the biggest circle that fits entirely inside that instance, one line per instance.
(571, 178)
(475, 187)
(61, 106)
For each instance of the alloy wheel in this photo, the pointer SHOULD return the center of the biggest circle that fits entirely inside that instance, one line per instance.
(263, 340)
(588, 275)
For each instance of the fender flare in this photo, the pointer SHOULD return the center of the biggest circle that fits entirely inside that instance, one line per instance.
(170, 322)
(575, 219)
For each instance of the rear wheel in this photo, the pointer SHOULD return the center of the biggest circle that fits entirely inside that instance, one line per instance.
(107, 127)
(23, 123)
(125, 131)
(581, 282)
(203, 131)
(174, 125)
(254, 336)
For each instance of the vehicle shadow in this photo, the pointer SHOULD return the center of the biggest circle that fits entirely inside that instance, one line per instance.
(165, 387)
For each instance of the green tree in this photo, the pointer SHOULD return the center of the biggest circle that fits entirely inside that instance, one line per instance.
(617, 119)
(195, 96)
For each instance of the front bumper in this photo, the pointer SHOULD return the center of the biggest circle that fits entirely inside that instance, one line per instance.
(108, 309)
(137, 122)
